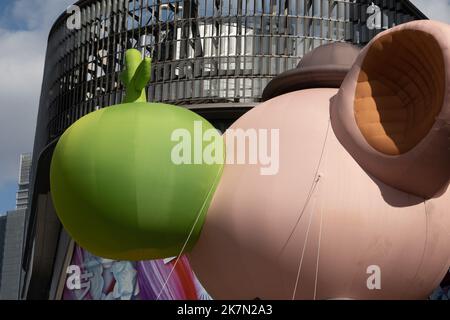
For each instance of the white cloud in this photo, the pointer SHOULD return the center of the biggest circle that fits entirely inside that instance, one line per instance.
(21, 64)
(434, 9)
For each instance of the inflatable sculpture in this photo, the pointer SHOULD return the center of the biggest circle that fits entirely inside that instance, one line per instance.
(362, 185)
(112, 171)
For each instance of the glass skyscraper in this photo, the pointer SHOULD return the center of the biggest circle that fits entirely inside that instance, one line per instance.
(24, 181)
(12, 227)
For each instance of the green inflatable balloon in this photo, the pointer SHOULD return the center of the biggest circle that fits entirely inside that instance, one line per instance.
(115, 184)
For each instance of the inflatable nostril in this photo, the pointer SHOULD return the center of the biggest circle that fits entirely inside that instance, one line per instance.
(400, 90)
(391, 110)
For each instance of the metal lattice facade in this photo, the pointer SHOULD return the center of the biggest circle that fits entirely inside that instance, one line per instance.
(204, 51)
(370, 17)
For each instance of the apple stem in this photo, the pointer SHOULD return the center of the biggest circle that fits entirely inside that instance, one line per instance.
(136, 76)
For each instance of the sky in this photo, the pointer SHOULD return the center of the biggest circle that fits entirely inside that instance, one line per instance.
(24, 27)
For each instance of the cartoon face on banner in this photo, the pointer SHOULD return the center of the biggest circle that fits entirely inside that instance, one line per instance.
(93, 278)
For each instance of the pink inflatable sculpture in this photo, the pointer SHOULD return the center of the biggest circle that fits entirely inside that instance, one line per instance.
(360, 205)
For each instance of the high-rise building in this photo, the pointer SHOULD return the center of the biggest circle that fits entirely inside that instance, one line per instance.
(24, 181)
(2, 242)
(12, 227)
(11, 264)
(214, 57)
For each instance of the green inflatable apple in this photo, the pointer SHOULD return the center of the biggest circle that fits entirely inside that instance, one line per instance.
(115, 184)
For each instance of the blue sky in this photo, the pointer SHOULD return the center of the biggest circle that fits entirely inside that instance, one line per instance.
(7, 197)
(24, 27)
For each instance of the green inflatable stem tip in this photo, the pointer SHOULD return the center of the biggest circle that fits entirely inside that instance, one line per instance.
(136, 76)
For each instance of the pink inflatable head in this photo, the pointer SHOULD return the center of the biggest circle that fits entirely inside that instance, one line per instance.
(359, 204)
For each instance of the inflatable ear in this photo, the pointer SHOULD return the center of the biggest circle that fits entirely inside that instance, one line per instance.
(392, 112)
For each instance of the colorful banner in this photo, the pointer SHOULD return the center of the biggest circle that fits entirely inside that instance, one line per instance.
(93, 278)
(443, 292)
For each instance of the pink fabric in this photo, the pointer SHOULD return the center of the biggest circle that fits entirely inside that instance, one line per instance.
(256, 231)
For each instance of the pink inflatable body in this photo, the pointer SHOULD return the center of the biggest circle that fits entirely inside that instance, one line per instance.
(348, 202)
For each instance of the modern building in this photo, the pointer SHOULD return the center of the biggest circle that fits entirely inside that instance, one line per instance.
(11, 264)
(212, 56)
(2, 242)
(12, 227)
(23, 181)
